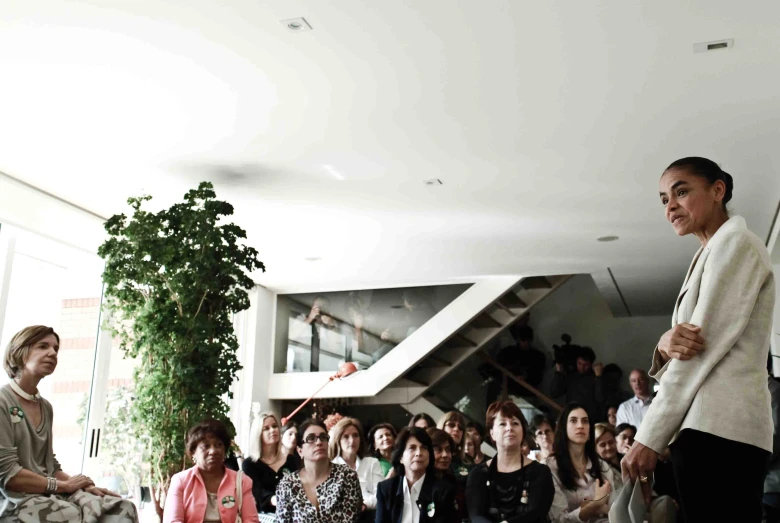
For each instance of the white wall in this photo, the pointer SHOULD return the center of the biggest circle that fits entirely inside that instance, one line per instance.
(578, 309)
(255, 332)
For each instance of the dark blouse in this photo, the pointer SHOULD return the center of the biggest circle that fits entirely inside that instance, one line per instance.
(523, 496)
(265, 480)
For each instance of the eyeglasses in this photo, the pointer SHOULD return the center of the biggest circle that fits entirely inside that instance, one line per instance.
(311, 438)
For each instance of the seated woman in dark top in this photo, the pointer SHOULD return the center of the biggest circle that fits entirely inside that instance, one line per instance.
(414, 494)
(442, 465)
(268, 461)
(510, 487)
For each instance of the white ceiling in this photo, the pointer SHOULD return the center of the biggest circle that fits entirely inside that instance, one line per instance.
(548, 122)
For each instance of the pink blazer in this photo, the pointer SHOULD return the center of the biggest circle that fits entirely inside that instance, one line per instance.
(187, 499)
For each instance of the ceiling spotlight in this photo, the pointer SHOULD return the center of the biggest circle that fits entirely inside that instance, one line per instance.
(296, 25)
(312, 259)
(607, 238)
(433, 181)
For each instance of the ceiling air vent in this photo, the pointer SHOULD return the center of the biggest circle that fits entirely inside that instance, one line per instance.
(703, 47)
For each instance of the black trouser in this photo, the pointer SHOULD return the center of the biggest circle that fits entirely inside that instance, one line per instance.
(718, 479)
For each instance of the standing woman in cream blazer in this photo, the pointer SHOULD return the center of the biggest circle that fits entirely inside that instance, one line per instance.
(713, 406)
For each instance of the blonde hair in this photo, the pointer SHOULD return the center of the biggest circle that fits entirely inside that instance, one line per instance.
(256, 434)
(601, 428)
(18, 350)
(336, 433)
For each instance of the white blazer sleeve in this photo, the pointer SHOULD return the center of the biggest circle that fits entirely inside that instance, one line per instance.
(732, 278)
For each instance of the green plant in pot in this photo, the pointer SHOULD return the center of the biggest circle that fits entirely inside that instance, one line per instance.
(173, 281)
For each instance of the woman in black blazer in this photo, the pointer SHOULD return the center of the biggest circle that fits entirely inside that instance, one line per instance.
(415, 478)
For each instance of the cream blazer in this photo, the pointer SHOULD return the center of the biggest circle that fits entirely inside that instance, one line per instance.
(730, 293)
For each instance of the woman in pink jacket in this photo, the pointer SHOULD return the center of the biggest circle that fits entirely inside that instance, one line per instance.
(206, 493)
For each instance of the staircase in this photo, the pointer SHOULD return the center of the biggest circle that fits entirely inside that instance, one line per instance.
(465, 343)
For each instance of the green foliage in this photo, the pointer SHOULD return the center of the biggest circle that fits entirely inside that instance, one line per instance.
(173, 280)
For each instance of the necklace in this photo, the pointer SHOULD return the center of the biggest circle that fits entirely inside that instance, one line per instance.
(17, 389)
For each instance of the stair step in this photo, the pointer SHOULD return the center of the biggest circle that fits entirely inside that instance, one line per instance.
(438, 360)
(484, 321)
(458, 341)
(510, 300)
(536, 282)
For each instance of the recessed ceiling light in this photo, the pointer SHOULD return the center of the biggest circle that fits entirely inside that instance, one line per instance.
(296, 25)
(607, 238)
(433, 181)
(312, 258)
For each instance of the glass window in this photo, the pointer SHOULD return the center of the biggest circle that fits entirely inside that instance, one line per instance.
(319, 331)
(59, 286)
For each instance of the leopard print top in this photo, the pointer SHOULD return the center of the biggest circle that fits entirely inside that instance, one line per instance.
(339, 496)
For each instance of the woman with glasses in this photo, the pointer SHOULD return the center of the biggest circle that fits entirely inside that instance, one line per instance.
(414, 494)
(624, 436)
(267, 462)
(454, 424)
(511, 487)
(542, 432)
(606, 445)
(321, 492)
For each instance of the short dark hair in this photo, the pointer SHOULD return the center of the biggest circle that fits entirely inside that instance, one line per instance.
(371, 447)
(422, 415)
(289, 425)
(209, 428)
(537, 421)
(400, 446)
(708, 170)
(311, 422)
(623, 426)
(476, 426)
(508, 409)
(586, 353)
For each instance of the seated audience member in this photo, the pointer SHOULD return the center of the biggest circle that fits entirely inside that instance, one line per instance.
(289, 438)
(584, 484)
(612, 415)
(662, 509)
(477, 433)
(633, 410)
(33, 487)
(414, 494)
(347, 447)
(454, 424)
(606, 445)
(624, 436)
(207, 492)
(472, 451)
(541, 430)
(611, 385)
(442, 464)
(583, 386)
(523, 360)
(381, 440)
(510, 487)
(320, 490)
(268, 462)
(422, 421)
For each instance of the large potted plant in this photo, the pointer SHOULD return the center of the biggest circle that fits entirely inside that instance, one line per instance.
(173, 280)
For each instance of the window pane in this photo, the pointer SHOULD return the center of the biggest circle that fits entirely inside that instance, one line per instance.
(317, 332)
(55, 285)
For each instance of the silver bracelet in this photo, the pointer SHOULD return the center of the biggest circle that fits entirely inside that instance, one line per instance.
(51, 485)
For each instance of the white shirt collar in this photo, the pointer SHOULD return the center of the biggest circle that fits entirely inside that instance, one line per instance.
(637, 399)
(416, 488)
